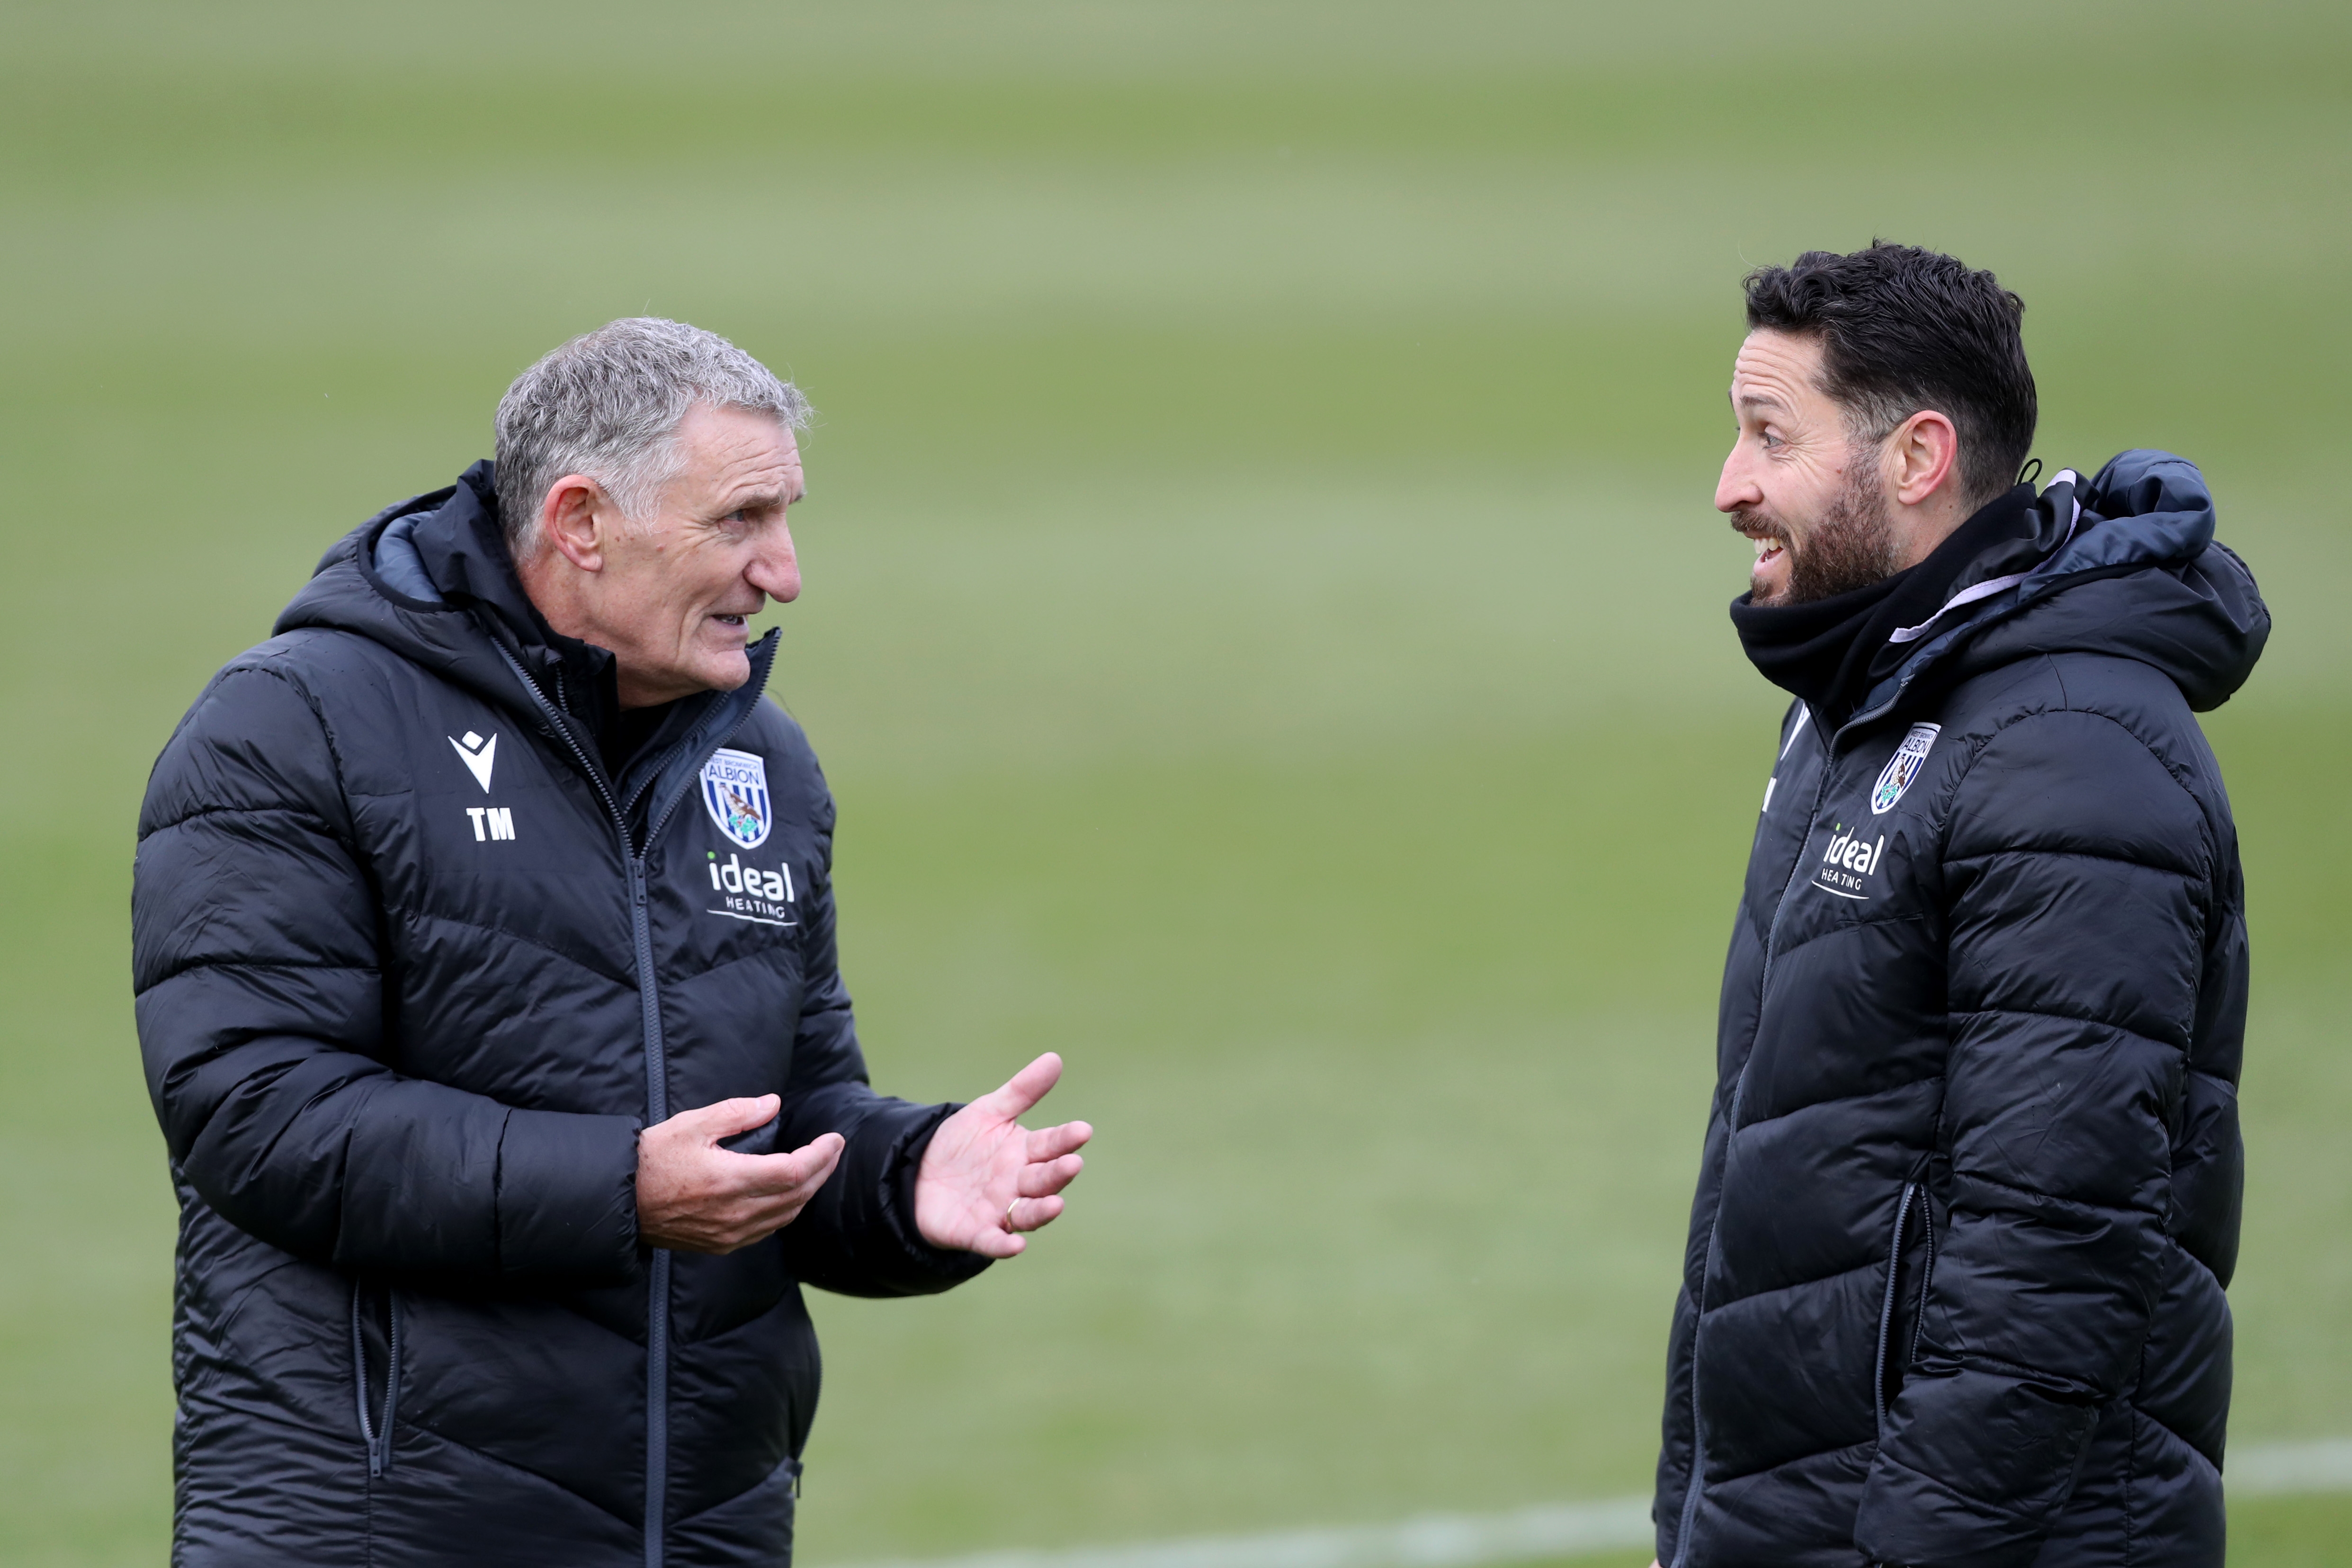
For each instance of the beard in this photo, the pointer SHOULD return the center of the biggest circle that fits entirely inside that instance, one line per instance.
(1850, 546)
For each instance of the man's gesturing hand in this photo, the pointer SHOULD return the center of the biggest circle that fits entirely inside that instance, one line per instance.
(986, 1178)
(694, 1196)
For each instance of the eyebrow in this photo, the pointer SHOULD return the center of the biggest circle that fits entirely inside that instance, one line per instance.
(1757, 399)
(764, 500)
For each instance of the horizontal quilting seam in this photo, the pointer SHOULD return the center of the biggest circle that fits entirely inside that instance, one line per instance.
(1902, 919)
(1794, 1460)
(2161, 1425)
(1840, 1100)
(406, 1419)
(198, 813)
(1958, 1015)
(2173, 1243)
(1868, 1266)
(2019, 1371)
(2027, 852)
(2017, 719)
(779, 1303)
(721, 968)
(1892, 1462)
(531, 941)
(400, 793)
(195, 964)
(2076, 1206)
(402, 1418)
(738, 1497)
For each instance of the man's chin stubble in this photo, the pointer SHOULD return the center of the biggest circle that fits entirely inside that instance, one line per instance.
(1852, 547)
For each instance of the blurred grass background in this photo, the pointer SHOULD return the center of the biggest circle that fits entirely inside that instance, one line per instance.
(1264, 628)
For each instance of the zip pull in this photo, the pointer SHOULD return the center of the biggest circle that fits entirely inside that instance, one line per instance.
(1927, 1274)
(375, 1436)
(1886, 1312)
(382, 1459)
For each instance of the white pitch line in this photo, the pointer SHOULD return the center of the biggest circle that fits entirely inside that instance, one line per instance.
(1532, 1534)
(2277, 1470)
(1432, 1540)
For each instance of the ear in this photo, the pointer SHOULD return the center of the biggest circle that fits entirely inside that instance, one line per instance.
(1923, 452)
(572, 520)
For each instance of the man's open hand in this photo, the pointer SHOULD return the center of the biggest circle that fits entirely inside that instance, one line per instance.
(694, 1196)
(985, 1178)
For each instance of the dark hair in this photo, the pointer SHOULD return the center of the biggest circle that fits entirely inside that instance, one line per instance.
(1904, 329)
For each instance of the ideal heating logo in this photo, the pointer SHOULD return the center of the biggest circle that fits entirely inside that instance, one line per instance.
(1848, 859)
(748, 893)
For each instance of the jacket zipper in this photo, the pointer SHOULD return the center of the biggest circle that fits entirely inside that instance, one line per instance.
(377, 1437)
(1691, 1487)
(641, 932)
(1886, 1312)
(657, 1285)
(1880, 1404)
(1829, 757)
(657, 1111)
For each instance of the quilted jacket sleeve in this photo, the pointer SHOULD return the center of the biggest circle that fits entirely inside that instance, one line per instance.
(857, 1235)
(260, 1006)
(2079, 878)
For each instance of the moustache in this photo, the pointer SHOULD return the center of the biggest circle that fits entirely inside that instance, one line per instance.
(1755, 523)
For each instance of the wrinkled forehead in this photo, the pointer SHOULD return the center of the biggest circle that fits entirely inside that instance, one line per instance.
(741, 456)
(1778, 372)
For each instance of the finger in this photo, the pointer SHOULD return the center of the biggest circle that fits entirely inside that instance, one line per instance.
(1031, 1214)
(726, 1117)
(1052, 1142)
(806, 1166)
(1050, 1176)
(1027, 1086)
(995, 1243)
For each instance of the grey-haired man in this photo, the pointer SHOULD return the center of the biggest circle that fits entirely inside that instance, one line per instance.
(484, 950)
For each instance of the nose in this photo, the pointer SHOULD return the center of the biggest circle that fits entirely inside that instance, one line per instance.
(1737, 486)
(775, 569)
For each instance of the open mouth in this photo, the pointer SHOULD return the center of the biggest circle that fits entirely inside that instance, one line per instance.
(1770, 548)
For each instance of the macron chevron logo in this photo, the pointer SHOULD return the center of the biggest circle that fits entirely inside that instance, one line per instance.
(479, 756)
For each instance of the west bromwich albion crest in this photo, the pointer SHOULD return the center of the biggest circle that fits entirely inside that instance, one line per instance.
(735, 793)
(1901, 768)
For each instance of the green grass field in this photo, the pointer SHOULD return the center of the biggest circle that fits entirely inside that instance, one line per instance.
(1264, 628)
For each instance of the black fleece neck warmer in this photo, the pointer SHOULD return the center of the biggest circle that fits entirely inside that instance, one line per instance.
(1829, 653)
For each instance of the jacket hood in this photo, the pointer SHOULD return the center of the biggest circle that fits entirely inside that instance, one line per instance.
(2125, 564)
(430, 578)
(373, 582)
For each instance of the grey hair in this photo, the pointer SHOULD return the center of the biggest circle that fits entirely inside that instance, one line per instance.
(608, 404)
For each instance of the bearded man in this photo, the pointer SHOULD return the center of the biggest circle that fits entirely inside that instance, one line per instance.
(448, 898)
(1969, 1193)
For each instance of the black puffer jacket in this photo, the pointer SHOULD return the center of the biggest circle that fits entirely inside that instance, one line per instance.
(1971, 1189)
(411, 973)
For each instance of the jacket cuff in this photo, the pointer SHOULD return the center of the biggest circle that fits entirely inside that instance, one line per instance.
(932, 1267)
(567, 1196)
